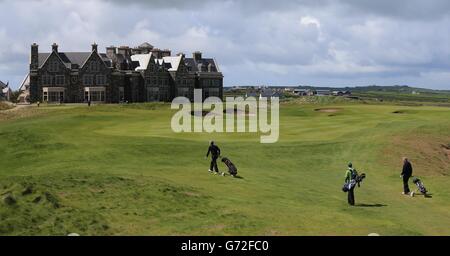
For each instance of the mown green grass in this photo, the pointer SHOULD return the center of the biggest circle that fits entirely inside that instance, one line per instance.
(119, 169)
(422, 97)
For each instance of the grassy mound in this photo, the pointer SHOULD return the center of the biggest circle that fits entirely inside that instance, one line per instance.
(88, 204)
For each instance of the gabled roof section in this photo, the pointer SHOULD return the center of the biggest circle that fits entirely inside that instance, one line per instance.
(174, 62)
(69, 58)
(93, 53)
(143, 59)
(57, 55)
(146, 46)
(25, 83)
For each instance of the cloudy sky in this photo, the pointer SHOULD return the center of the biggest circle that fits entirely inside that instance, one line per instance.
(320, 42)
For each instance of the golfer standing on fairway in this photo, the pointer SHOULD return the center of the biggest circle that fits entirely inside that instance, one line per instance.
(349, 177)
(215, 153)
(406, 174)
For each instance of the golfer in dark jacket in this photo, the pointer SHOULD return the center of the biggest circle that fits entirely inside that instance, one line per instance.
(215, 153)
(406, 174)
(349, 177)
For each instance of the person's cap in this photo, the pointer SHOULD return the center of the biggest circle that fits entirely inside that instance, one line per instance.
(350, 164)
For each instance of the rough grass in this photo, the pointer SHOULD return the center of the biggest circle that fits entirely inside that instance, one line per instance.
(119, 169)
(4, 106)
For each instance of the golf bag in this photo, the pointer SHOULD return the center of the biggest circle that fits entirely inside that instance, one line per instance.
(420, 186)
(231, 167)
(356, 180)
(349, 185)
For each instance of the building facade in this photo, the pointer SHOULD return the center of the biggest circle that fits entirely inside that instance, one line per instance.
(121, 74)
(5, 91)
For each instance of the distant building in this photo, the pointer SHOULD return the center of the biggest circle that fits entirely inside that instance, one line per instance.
(323, 92)
(5, 91)
(342, 93)
(121, 74)
(266, 93)
(24, 90)
(304, 92)
(2, 86)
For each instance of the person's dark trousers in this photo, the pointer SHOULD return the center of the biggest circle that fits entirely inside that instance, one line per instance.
(351, 196)
(214, 164)
(405, 184)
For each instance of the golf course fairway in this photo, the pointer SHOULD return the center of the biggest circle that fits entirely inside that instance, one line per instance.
(121, 170)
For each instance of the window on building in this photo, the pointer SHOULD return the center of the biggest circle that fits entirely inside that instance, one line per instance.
(60, 80)
(88, 79)
(53, 96)
(98, 96)
(56, 96)
(94, 94)
(101, 80)
(95, 66)
(53, 66)
(183, 92)
(213, 92)
(47, 80)
(45, 97)
(152, 94)
(121, 94)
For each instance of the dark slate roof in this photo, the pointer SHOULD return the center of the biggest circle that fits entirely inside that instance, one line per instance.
(190, 62)
(167, 65)
(69, 58)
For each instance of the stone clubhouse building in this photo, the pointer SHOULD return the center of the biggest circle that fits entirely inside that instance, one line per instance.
(121, 74)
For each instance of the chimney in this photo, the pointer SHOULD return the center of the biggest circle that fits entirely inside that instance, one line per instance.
(34, 57)
(94, 47)
(54, 47)
(166, 53)
(111, 51)
(125, 51)
(157, 53)
(197, 56)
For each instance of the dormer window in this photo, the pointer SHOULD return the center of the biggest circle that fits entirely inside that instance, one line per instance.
(95, 66)
(53, 66)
